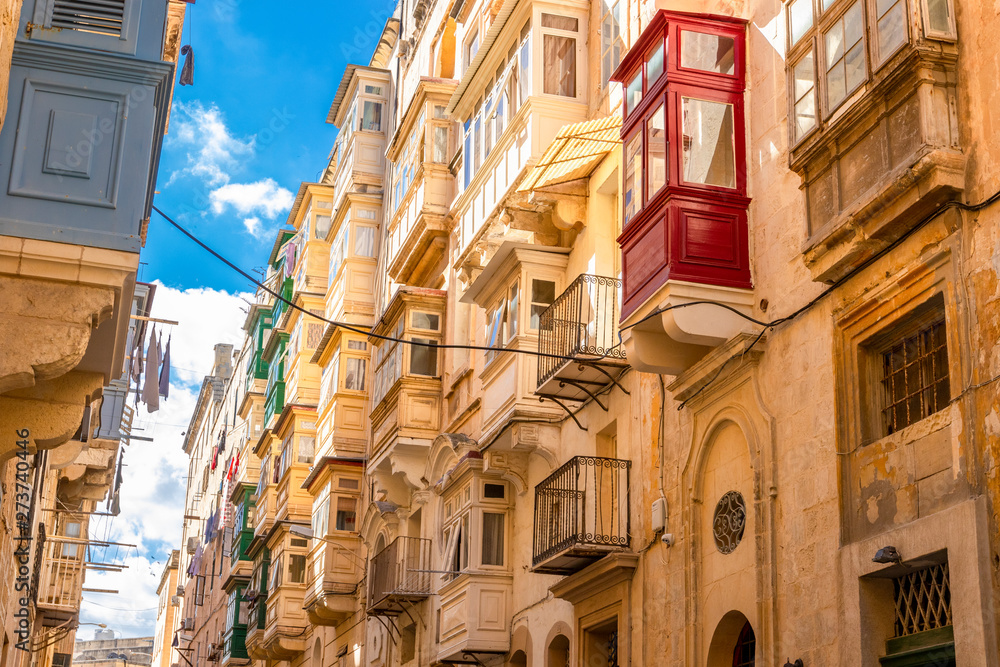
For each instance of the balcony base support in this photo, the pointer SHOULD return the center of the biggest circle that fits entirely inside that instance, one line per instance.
(568, 411)
(681, 323)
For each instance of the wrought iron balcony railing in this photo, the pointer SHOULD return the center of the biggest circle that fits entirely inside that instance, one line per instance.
(581, 513)
(582, 323)
(401, 571)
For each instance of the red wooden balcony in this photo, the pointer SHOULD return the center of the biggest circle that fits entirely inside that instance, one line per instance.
(684, 198)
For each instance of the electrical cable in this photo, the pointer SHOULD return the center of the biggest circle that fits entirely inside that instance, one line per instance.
(356, 329)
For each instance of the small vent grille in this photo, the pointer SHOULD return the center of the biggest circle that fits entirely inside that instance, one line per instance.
(103, 17)
(923, 600)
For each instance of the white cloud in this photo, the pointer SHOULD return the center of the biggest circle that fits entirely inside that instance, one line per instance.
(254, 227)
(265, 198)
(154, 477)
(212, 152)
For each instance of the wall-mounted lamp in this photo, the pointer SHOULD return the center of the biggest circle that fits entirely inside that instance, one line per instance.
(797, 663)
(887, 555)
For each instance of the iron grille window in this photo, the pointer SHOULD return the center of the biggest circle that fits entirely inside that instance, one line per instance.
(915, 377)
(923, 600)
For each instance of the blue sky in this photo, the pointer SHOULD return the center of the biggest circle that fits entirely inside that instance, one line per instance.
(241, 140)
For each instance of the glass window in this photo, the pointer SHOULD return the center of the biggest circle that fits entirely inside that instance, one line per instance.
(633, 93)
(347, 514)
(494, 491)
(494, 327)
(709, 53)
(297, 568)
(656, 142)
(322, 226)
(365, 213)
(440, 153)
(543, 293)
(471, 48)
(354, 374)
(307, 447)
(371, 118)
(939, 17)
(560, 22)
(275, 579)
(845, 56)
(805, 96)
(708, 154)
(493, 542)
(560, 65)
(71, 529)
(423, 358)
(513, 299)
(524, 75)
(633, 175)
(611, 38)
(373, 90)
(357, 345)
(890, 25)
(321, 517)
(364, 241)
(800, 18)
(654, 65)
(427, 321)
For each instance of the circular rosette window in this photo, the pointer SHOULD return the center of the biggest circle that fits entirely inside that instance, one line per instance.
(729, 522)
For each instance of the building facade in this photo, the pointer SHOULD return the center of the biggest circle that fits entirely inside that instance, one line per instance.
(656, 334)
(168, 602)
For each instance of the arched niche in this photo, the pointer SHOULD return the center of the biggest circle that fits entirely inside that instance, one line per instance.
(520, 648)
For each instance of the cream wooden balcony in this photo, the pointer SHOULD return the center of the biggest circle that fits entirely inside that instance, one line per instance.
(335, 570)
(60, 578)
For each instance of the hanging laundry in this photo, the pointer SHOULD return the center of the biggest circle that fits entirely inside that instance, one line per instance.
(165, 370)
(151, 386)
(115, 491)
(135, 358)
(187, 70)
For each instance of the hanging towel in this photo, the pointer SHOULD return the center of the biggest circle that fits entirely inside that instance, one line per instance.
(165, 370)
(150, 387)
(135, 360)
(187, 70)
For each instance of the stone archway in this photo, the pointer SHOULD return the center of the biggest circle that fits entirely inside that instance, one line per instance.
(732, 642)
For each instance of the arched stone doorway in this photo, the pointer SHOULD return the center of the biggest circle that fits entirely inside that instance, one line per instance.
(734, 643)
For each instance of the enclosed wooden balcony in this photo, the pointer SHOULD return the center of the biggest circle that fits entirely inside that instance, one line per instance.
(581, 323)
(334, 572)
(399, 573)
(581, 514)
(60, 578)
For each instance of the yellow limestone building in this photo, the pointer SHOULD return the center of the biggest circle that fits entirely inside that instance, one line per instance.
(677, 344)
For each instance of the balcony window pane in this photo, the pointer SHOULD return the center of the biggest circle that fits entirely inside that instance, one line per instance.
(805, 97)
(611, 41)
(800, 18)
(845, 56)
(560, 66)
(939, 16)
(891, 26)
(322, 226)
(476, 132)
(709, 154)
(364, 241)
(440, 144)
(493, 543)
(709, 53)
(423, 359)
(354, 376)
(241, 609)
(297, 569)
(307, 448)
(428, 321)
(524, 75)
(347, 514)
(321, 517)
(656, 142)
(543, 293)
(467, 156)
(633, 176)
(371, 118)
(633, 94)
(560, 22)
(512, 307)
(654, 65)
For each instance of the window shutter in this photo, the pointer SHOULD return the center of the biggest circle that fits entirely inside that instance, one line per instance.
(104, 17)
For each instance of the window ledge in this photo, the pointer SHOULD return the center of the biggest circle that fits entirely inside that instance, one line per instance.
(910, 192)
